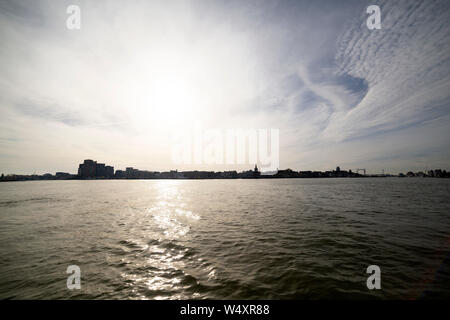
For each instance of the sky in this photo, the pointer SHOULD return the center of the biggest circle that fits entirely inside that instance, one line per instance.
(136, 72)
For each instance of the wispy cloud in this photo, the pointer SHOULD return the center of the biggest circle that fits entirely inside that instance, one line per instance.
(406, 65)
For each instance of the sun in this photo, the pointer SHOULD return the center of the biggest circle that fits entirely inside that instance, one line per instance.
(172, 94)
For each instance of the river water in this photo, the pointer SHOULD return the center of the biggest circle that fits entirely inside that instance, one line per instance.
(225, 239)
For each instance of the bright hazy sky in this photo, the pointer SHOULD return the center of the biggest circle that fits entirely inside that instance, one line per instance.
(136, 71)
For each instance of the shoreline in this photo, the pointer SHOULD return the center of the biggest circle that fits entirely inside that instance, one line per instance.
(259, 178)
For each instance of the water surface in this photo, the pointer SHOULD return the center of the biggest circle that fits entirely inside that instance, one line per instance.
(225, 239)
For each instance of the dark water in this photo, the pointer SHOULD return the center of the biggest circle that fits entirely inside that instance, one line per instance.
(225, 239)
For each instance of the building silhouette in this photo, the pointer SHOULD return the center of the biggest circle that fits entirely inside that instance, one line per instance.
(90, 169)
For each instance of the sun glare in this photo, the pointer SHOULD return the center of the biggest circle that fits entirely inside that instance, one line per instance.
(172, 93)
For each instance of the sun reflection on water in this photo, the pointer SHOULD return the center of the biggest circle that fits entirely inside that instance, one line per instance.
(169, 213)
(165, 257)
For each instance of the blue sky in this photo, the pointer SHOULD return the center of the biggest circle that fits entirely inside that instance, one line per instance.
(339, 93)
